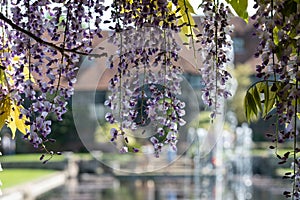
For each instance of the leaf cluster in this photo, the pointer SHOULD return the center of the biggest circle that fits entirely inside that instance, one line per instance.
(260, 99)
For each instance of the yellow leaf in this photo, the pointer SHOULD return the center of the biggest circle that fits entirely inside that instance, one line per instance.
(186, 3)
(170, 6)
(15, 122)
(4, 112)
(10, 115)
(187, 31)
(12, 125)
(183, 33)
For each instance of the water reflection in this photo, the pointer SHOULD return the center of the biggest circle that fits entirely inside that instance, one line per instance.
(92, 187)
(220, 173)
(223, 174)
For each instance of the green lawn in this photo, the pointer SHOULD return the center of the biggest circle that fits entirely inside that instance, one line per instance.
(29, 158)
(13, 177)
(281, 171)
(268, 152)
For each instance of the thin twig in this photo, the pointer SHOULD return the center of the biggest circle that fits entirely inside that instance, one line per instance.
(41, 41)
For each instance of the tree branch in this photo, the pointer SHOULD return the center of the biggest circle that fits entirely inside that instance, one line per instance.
(41, 41)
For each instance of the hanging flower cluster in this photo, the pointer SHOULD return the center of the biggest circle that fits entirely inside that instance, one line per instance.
(147, 84)
(215, 52)
(277, 25)
(40, 46)
(134, 59)
(279, 49)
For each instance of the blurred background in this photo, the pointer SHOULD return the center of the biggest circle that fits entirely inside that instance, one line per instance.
(226, 160)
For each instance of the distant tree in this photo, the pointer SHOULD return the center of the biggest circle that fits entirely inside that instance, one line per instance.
(242, 74)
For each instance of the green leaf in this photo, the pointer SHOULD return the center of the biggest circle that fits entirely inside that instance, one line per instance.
(253, 100)
(246, 107)
(252, 104)
(260, 87)
(250, 107)
(240, 7)
(269, 99)
(256, 97)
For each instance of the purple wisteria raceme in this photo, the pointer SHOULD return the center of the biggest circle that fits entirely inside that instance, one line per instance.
(215, 52)
(279, 62)
(146, 87)
(279, 49)
(40, 46)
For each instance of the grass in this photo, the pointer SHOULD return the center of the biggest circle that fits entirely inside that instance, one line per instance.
(269, 152)
(35, 157)
(14, 177)
(281, 171)
(28, 158)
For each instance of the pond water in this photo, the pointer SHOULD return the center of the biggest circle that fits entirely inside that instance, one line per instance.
(106, 187)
